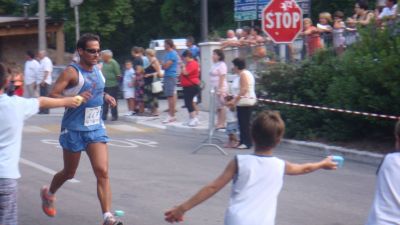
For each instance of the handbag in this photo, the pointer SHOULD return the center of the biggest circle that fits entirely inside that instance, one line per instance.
(156, 86)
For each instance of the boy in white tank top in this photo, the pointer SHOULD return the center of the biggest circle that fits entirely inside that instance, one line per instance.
(257, 178)
(385, 209)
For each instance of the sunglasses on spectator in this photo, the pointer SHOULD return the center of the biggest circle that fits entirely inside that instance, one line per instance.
(92, 51)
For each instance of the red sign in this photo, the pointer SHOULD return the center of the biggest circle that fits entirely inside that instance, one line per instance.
(282, 20)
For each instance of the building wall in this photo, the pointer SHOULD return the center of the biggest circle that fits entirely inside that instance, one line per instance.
(13, 48)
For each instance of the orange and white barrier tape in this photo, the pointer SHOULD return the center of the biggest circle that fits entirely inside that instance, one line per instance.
(331, 109)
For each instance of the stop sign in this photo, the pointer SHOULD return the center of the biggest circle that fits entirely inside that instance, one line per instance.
(282, 20)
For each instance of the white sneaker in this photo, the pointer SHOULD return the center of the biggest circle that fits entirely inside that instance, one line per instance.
(193, 122)
(128, 113)
(169, 119)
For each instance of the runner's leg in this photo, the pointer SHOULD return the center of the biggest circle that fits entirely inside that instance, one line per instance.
(71, 162)
(98, 155)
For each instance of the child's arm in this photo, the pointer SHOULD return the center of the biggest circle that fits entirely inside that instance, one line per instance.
(176, 214)
(70, 102)
(298, 169)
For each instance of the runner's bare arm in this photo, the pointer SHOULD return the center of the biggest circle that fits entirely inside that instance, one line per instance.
(176, 214)
(67, 78)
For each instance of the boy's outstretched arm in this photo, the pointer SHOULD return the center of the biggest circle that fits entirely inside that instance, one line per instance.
(298, 169)
(70, 102)
(176, 214)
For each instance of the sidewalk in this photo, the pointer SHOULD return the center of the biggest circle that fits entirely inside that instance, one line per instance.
(182, 117)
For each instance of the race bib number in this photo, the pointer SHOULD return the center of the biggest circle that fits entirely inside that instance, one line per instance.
(92, 116)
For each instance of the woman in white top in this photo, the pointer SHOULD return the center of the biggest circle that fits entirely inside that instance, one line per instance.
(243, 88)
(218, 82)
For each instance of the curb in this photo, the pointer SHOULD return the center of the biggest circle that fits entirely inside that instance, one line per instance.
(348, 154)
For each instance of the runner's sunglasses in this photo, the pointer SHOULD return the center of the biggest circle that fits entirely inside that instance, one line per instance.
(92, 51)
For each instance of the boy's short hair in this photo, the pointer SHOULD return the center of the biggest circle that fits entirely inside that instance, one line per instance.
(397, 129)
(267, 130)
(3, 76)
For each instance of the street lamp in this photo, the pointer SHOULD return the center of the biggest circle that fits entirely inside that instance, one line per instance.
(42, 25)
(75, 4)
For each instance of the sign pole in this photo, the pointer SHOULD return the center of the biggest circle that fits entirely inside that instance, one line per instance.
(204, 20)
(42, 25)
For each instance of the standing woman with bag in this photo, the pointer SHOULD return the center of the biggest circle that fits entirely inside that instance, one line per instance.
(190, 81)
(152, 75)
(243, 88)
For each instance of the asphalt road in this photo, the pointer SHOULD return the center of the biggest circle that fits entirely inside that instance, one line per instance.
(151, 170)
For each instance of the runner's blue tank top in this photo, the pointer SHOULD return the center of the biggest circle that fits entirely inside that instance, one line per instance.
(86, 117)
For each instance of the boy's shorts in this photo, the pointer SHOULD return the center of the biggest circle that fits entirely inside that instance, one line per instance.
(77, 141)
(169, 86)
(8, 201)
(232, 128)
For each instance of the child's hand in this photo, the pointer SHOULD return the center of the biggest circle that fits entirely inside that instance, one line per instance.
(174, 215)
(72, 102)
(329, 164)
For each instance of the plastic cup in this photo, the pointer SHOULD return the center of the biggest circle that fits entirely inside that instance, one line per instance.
(119, 213)
(338, 159)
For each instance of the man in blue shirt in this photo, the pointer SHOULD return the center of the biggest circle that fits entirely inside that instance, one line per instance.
(170, 65)
(193, 48)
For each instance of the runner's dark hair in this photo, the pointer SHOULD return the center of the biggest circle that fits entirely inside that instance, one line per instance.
(84, 39)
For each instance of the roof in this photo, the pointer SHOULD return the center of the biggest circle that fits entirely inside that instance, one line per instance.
(20, 20)
(8, 19)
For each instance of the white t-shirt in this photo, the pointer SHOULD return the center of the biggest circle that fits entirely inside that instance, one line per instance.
(31, 71)
(255, 190)
(388, 12)
(13, 111)
(218, 69)
(45, 65)
(385, 209)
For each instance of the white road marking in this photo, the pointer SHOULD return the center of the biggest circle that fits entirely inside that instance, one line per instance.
(35, 129)
(125, 128)
(145, 142)
(43, 168)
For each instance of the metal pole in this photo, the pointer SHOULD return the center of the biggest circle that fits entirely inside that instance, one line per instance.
(211, 128)
(77, 28)
(42, 25)
(204, 20)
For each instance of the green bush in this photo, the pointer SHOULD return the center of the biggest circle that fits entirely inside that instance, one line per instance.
(365, 78)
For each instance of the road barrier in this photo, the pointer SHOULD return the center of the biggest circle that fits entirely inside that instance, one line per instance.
(211, 127)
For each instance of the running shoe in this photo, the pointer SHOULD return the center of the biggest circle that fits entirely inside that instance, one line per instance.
(169, 119)
(48, 202)
(193, 122)
(243, 146)
(110, 220)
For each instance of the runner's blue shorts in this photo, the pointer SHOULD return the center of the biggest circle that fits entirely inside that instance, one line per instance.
(77, 141)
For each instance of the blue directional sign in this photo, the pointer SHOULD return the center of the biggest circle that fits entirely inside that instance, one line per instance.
(251, 9)
(245, 10)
